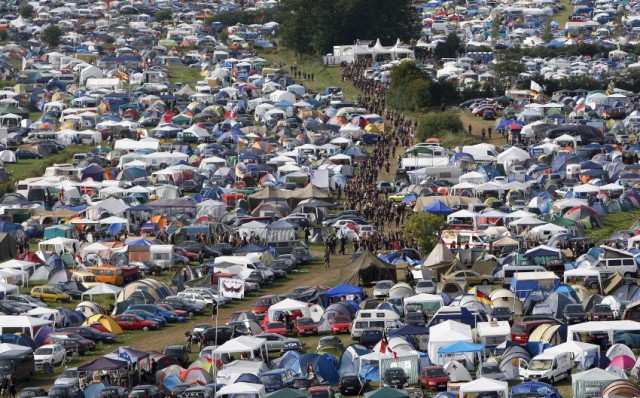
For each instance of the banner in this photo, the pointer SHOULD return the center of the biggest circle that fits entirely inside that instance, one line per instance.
(233, 288)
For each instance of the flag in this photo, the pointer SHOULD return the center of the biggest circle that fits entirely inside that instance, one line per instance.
(483, 298)
(535, 88)
(384, 346)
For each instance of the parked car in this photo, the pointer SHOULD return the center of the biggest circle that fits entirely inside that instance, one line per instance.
(320, 392)
(491, 370)
(574, 313)
(602, 312)
(275, 342)
(501, 313)
(278, 379)
(469, 276)
(69, 376)
(276, 327)
(26, 300)
(92, 334)
(65, 391)
(340, 324)
(50, 293)
(425, 286)
(350, 384)
(74, 293)
(415, 318)
(113, 392)
(32, 392)
(74, 345)
(26, 154)
(179, 352)
(396, 378)
(262, 304)
(135, 322)
(53, 354)
(217, 335)
(434, 378)
(146, 391)
(381, 289)
(371, 337)
(305, 326)
(148, 316)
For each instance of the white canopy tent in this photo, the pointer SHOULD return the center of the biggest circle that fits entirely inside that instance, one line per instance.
(485, 385)
(242, 390)
(601, 326)
(447, 333)
(101, 289)
(582, 272)
(581, 352)
(289, 305)
(13, 323)
(242, 344)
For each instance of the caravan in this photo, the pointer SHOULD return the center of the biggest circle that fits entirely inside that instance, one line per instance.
(376, 319)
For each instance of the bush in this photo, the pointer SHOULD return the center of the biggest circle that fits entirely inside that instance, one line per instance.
(163, 15)
(439, 123)
(26, 11)
(51, 35)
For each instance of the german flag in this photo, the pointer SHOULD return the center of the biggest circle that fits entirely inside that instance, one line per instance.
(483, 298)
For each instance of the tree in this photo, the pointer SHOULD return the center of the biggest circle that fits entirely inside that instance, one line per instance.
(26, 11)
(315, 26)
(508, 69)
(410, 88)
(546, 34)
(51, 35)
(163, 15)
(449, 48)
(423, 229)
(435, 124)
(496, 25)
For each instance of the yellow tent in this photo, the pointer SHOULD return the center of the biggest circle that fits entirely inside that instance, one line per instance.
(105, 320)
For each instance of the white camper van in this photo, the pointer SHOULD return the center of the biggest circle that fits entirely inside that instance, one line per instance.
(547, 367)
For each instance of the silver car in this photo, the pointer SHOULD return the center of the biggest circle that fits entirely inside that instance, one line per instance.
(381, 289)
(276, 342)
(425, 286)
(491, 370)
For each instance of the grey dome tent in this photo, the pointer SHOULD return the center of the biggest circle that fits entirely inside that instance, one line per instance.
(332, 311)
(401, 289)
(509, 361)
(553, 305)
(591, 301)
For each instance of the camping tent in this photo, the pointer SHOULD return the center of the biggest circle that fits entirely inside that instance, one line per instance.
(366, 269)
(484, 385)
(101, 289)
(289, 305)
(585, 355)
(591, 383)
(386, 392)
(445, 334)
(343, 290)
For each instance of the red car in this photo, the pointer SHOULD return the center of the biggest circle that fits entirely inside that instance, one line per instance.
(135, 322)
(434, 378)
(277, 328)
(340, 324)
(261, 306)
(305, 326)
(321, 392)
(180, 251)
(169, 308)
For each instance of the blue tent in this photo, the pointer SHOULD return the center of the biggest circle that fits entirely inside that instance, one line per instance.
(369, 373)
(323, 368)
(170, 382)
(568, 291)
(55, 262)
(534, 389)
(248, 378)
(437, 207)
(139, 242)
(285, 361)
(409, 330)
(343, 290)
(92, 171)
(460, 347)
(19, 339)
(94, 389)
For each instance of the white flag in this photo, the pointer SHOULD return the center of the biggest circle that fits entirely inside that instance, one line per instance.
(536, 87)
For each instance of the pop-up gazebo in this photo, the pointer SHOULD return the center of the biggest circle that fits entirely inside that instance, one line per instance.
(485, 385)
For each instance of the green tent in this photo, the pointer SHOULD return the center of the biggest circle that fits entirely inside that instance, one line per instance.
(288, 393)
(563, 222)
(6, 109)
(386, 392)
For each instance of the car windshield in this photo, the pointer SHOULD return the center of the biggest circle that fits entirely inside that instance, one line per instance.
(602, 308)
(263, 302)
(395, 373)
(341, 319)
(383, 285)
(305, 321)
(436, 373)
(173, 351)
(270, 379)
(490, 368)
(414, 315)
(44, 351)
(574, 309)
(275, 325)
(540, 364)
(425, 284)
(500, 310)
(69, 373)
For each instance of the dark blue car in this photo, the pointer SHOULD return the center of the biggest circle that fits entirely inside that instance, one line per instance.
(278, 379)
(146, 315)
(159, 312)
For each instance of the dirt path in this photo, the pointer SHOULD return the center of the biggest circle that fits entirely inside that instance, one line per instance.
(477, 124)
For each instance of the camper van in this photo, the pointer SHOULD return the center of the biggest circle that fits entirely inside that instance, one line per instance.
(118, 276)
(462, 238)
(547, 367)
(613, 260)
(18, 363)
(367, 319)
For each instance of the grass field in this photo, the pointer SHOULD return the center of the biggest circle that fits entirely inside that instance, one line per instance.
(614, 223)
(185, 75)
(26, 168)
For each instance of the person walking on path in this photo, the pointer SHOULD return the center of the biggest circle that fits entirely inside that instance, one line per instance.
(326, 258)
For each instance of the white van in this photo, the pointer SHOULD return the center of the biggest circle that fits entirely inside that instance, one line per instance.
(547, 367)
(366, 319)
(623, 265)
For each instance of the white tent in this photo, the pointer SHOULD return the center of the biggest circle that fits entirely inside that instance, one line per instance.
(485, 385)
(21, 322)
(59, 245)
(13, 276)
(608, 327)
(242, 390)
(6, 288)
(103, 288)
(289, 305)
(581, 272)
(231, 371)
(447, 333)
(241, 344)
(211, 208)
(45, 313)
